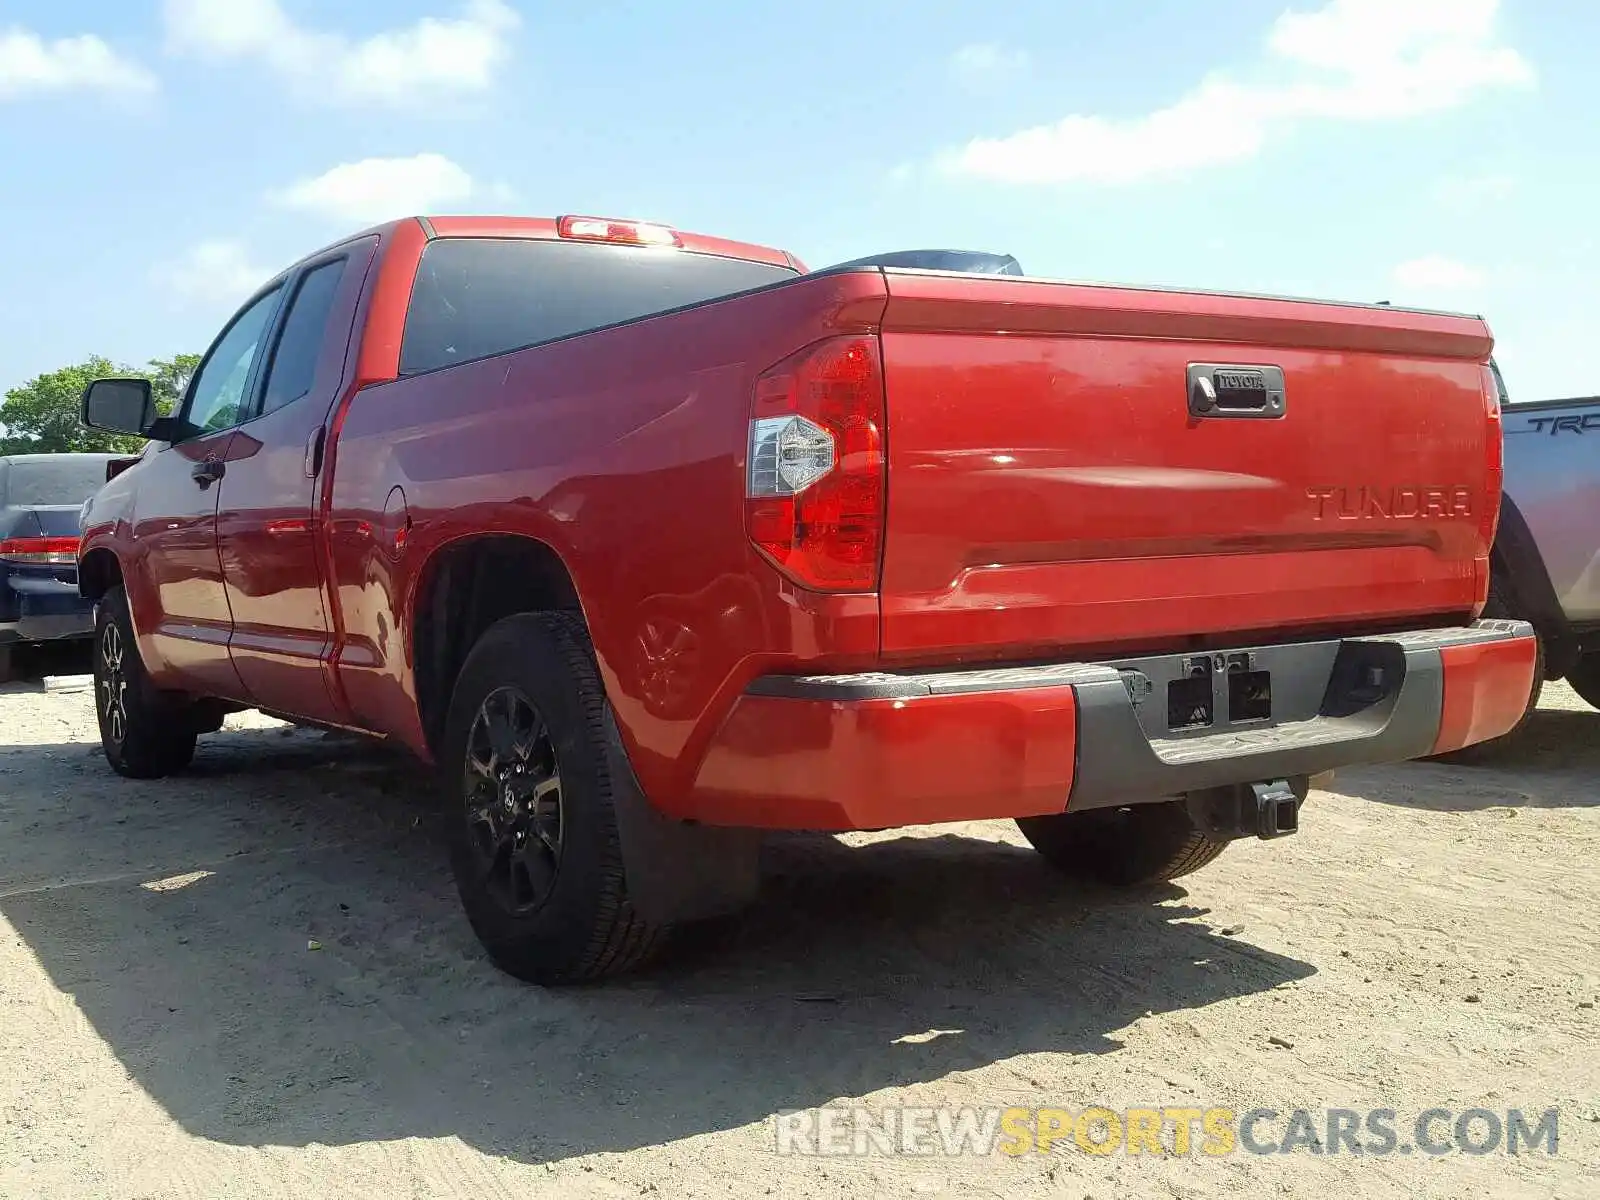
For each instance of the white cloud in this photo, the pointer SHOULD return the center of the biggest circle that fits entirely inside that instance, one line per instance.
(983, 64)
(1435, 274)
(29, 64)
(1352, 60)
(213, 272)
(433, 58)
(380, 189)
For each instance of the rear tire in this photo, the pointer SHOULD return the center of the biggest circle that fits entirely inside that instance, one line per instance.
(8, 664)
(1123, 847)
(145, 733)
(1585, 679)
(532, 829)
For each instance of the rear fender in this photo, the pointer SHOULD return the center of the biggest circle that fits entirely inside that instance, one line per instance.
(1519, 574)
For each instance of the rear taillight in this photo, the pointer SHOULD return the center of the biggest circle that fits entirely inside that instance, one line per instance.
(815, 474)
(1494, 456)
(54, 550)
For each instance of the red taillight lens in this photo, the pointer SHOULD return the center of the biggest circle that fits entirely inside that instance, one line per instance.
(1495, 458)
(55, 550)
(815, 474)
(627, 233)
(1494, 479)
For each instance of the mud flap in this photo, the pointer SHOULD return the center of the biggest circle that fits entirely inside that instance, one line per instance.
(677, 871)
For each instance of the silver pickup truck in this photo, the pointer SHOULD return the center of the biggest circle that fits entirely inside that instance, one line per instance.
(1545, 566)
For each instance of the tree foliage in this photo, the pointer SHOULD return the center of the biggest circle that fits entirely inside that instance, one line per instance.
(41, 416)
(170, 376)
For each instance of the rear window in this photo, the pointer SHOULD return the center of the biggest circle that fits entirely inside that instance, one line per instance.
(477, 297)
(33, 482)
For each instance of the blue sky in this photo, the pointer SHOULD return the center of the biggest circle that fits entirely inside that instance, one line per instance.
(160, 157)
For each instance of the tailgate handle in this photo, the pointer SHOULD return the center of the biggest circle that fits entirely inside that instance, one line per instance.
(1237, 391)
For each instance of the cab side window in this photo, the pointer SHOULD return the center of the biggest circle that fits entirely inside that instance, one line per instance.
(293, 368)
(217, 397)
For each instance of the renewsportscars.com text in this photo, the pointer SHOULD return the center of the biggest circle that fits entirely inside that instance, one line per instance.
(844, 1131)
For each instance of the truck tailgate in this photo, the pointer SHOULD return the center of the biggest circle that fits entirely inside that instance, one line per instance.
(1057, 479)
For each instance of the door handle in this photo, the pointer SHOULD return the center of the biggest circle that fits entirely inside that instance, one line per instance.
(314, 451)
(208, 472)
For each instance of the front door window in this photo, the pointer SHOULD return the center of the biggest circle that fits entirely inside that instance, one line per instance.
(218, 394)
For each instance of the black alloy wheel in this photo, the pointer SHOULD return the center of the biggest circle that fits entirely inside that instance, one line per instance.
(112, 681)
(513, 796)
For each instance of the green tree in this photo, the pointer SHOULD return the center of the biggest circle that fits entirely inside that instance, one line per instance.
(41, 416)
(170, 377)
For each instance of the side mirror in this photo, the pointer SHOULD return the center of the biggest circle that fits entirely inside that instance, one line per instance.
(119, 406)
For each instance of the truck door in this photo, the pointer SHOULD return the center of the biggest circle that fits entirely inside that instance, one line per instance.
(175, 583)
(267, 516)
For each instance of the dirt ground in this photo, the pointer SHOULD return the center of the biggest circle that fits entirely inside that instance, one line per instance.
(255, 981)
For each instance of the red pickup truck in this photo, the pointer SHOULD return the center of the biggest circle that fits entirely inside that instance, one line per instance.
(649, 541)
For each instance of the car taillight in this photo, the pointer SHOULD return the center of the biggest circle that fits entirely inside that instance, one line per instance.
(627, 233)
(54, 550)
(815, 474)
(1495, 458)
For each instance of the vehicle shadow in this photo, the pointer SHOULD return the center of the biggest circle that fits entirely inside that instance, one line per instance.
(1551, 762)
(34, 667)
(272, 947)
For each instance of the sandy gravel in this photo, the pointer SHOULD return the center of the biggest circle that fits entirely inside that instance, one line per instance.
(1431, 938)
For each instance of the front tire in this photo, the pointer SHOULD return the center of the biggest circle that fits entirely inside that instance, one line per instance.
(144, 732)
(1134, 846)
(533, 833)
(1585, 679)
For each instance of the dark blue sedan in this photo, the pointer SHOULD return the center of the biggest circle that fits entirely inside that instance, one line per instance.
(40, 497)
